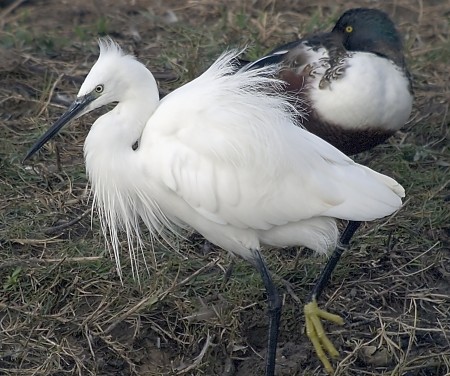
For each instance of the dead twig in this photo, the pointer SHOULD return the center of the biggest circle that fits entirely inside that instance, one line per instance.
(63, 226)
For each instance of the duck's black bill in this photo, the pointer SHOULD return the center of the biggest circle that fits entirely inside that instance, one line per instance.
(75, 108)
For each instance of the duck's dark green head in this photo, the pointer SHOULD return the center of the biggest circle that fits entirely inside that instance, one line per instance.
(369, 30)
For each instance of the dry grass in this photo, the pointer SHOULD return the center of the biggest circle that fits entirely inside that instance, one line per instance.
(62, 307)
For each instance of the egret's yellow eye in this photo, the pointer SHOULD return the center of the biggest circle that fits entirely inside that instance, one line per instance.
(99, 89)
(348, 29)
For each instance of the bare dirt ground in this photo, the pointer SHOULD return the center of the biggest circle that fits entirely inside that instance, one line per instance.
(63, 310)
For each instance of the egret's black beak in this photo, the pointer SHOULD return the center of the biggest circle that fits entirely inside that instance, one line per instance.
(75, 108)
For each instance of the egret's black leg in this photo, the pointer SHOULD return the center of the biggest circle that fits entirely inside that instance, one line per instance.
(228, 272)
(325, 275)
(274, 312)
(313, 314)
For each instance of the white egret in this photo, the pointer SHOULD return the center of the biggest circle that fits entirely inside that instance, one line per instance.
(222, 155)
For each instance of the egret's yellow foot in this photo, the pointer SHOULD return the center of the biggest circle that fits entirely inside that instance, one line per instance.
(316, 333)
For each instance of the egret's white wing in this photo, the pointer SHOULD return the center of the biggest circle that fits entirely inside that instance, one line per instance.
(233, 153)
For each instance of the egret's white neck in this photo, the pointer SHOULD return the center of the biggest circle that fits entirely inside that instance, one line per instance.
(112, 165)
(109, 144)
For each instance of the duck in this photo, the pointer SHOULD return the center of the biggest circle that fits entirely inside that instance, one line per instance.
(353, 82)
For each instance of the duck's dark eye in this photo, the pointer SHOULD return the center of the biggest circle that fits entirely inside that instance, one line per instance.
(99, 89)
(349, 29)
